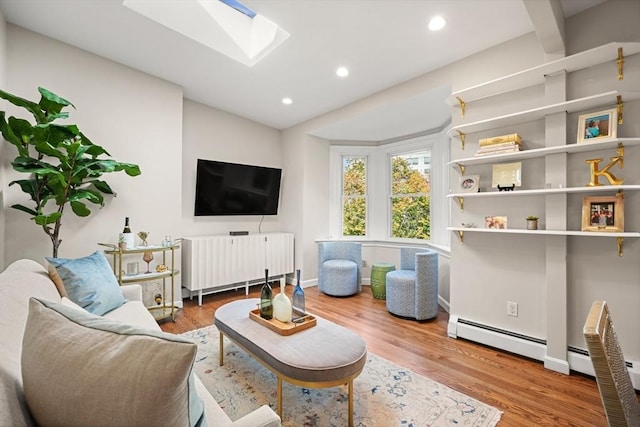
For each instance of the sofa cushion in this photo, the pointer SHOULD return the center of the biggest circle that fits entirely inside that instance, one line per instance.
(79, 369)
(89, 282)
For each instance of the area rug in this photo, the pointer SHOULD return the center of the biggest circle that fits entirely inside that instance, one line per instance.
(385, 394)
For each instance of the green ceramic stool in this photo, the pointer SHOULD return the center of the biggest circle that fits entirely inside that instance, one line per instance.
(379, 272)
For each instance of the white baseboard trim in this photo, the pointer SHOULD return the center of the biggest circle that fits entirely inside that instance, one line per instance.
(557, 365)
(443, 303)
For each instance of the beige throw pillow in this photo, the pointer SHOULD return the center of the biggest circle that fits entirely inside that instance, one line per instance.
(81, 370)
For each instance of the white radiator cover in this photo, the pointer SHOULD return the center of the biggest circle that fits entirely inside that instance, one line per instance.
(216, 263)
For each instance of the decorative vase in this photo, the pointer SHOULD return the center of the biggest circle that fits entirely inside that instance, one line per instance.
(266, 298)
(532, 224)
(281, 305)
(143, 235)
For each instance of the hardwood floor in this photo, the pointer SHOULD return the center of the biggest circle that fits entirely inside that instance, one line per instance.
(527, 393)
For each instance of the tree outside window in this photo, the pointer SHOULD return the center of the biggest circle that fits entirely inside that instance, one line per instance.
(410, 196)
(354, 199)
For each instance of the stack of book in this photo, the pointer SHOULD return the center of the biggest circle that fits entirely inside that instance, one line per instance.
(499, 145)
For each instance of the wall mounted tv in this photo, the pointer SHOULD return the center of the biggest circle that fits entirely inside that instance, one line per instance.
(236, 189)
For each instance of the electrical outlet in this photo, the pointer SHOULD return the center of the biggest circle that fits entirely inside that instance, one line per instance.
(364, 263)
(512, 308)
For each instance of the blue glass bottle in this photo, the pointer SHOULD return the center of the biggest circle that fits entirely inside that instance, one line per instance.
(298, 298)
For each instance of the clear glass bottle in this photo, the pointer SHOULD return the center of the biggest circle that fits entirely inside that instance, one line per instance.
(266, 298)
(298, 298)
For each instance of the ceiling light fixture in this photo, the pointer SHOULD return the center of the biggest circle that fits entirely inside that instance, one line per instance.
(437, 23)
(342, 72)
(287, 101)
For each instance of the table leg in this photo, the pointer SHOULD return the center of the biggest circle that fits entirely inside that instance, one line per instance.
(279, 396)
(351, 403)
(221, 349)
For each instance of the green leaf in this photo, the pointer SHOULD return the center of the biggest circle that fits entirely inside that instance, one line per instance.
(102, 186)
(27, 186)
(30, 106)
(52, 103)
(47, 219)
(92, 196)
(9, 135)
(60, 115)
(131, 169)
(45, 148)
(25, 209)
(80, 209)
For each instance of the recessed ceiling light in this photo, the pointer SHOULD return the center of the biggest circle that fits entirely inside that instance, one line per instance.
(287, 101)
(437, 23)
(342, 72)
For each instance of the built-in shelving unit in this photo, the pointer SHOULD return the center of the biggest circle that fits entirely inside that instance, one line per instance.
(547, 278)
(536, 75)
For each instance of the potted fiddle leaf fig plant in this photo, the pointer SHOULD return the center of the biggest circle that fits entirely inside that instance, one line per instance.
(64, 167)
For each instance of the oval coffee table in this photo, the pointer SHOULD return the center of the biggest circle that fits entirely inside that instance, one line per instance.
(325, 355)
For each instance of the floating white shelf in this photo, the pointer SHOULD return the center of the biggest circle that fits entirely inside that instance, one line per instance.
(536, 75)
(575, 105)
(540, 152)
(544, 191)
(631, 234)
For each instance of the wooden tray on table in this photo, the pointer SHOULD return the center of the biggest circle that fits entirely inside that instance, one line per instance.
(282, 328)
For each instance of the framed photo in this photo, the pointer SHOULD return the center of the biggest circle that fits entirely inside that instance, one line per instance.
(469, 183)
(598, 126)
(603, 213)
(498, 222)
(506, 175)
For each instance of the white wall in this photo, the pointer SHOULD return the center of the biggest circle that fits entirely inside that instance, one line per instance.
(217, 135)
(3, 62)
(136, 117)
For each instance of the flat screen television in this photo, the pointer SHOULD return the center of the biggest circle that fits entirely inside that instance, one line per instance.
(236, 189)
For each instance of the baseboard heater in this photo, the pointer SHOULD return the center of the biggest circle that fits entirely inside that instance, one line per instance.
(528, 346)
(503, 331)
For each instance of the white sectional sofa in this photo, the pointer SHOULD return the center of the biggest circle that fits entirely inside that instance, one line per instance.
(25, 279)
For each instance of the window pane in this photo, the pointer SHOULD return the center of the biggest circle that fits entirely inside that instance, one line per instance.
(410, 217)
(354, 201)
(353, 176)
(410, 195)
(354, 214)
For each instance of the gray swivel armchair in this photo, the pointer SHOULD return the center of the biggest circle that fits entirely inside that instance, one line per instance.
(412, 290)
(339, 268)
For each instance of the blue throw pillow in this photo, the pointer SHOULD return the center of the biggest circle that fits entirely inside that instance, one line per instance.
(89, 282)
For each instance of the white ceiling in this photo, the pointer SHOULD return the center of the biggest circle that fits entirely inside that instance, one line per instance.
(383, 42)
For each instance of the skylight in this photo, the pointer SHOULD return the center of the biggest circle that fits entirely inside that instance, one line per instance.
(246, 37)
(240, 7)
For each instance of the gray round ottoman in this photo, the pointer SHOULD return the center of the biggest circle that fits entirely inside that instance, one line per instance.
(341, 277)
